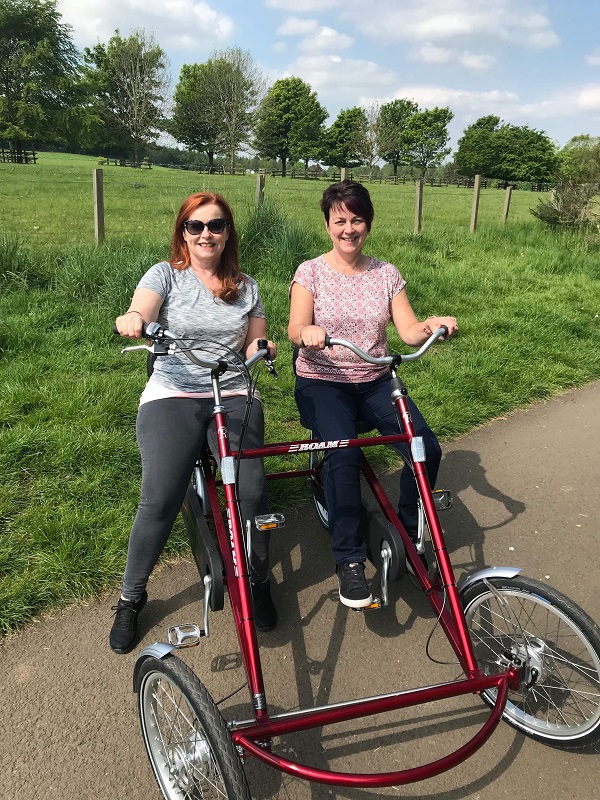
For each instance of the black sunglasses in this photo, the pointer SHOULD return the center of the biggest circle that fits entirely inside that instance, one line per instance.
(196, 226)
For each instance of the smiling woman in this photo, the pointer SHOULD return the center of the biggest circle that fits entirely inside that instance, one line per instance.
(201, 295)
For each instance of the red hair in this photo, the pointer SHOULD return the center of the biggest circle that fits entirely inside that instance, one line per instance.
(228, 270)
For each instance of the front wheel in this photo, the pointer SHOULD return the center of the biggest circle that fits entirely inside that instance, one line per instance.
(186, 737)
(522, 622)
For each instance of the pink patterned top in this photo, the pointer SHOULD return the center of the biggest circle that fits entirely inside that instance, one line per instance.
(354, 307)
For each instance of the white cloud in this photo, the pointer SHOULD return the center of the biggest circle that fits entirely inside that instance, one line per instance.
(188, 24)
(339, 81)
(294, 26)
(476, 61)
(431, 54)
(325, 40)
(464, 21)
(588, 98)
(593, 59)
(300, 6)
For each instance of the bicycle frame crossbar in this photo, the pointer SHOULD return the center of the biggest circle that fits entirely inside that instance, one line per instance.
(249, 735)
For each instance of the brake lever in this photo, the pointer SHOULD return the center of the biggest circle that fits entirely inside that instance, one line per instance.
(262, 344)
(157, 348)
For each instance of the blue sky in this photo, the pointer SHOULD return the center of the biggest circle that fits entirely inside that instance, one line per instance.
(529, 62)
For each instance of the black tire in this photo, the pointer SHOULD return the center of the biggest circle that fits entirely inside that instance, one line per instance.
(558, 702)
(186, 737)
(318, 490)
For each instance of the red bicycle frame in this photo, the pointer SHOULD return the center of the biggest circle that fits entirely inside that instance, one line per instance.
(254, 736)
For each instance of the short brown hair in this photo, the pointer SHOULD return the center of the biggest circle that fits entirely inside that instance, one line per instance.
(351, 194)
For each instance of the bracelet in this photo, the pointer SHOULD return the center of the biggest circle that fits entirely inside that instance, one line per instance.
(133, 311)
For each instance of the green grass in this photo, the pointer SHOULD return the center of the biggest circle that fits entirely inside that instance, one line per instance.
(527, 300)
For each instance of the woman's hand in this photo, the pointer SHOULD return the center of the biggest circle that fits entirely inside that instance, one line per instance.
(253, 348)
(312, 336)
(432, 324)
(130, 324)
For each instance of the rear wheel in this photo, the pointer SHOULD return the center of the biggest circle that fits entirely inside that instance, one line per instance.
(186, 737)
(522, 622)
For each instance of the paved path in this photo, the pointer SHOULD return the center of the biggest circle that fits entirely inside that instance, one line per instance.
(526, 493)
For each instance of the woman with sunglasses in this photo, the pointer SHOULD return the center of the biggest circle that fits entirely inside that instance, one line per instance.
(349, 295)
(201, 294)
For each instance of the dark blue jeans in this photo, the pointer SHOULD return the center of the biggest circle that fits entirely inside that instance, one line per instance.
(332, 410)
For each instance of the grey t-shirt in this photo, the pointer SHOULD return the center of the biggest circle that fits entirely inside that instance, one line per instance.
(189, 309)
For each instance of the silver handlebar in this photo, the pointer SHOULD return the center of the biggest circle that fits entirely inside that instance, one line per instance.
(387, 360)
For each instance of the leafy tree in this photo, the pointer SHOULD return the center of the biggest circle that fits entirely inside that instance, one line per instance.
(214, 103)
(391, 131)
(477, 152)
(129, 79)
(427, 137)
(367, 138)
(343, 138)
(38, 72)
(579, 160)
(509, 152)
(525, 154)
(289, 122)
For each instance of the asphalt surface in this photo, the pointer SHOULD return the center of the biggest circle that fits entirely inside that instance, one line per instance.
(525, 490)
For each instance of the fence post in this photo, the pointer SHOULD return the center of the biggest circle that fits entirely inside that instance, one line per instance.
(507, 196)
(475, 207)
(343, 173)
(98, 206)
(419, 205)
(260, 190)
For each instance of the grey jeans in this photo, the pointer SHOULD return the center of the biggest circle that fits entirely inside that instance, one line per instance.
(170, 435)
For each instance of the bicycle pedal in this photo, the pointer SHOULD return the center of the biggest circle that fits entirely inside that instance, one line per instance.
(375, 603)
(442, 499)
(187, 635)
(266, 522)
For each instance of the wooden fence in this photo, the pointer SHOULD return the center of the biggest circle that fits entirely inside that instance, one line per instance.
(9, 155)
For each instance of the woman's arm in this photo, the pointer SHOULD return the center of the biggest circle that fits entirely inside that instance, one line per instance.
(257, 329)
(144, 307)
(411, 331)
(301, 330)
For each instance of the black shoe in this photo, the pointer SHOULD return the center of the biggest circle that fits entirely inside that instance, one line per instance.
(354, 591)
(265, 613)
(123, 634)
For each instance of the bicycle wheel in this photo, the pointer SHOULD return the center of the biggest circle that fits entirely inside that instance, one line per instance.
(522, 622)
(186, 737)
(318, 490)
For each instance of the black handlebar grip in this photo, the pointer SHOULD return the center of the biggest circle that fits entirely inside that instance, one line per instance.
(445, 329)
(262, 344)
(327, 340)
(115, 330)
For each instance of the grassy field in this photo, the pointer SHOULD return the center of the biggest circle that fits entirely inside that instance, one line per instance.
(528, 303)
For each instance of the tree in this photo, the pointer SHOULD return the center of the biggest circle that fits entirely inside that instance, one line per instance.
(391, 131)
(129, 78)
(214, 103)
(367, 138)
(38, 72)
(427, 137)
(477, 152)
(289, 121)
(509, 152)
(525, 154)
(343, 138)
(579, 160)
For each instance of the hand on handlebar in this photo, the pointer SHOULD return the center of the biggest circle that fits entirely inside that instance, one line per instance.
(130, 325)
(432, 324)
(254, 348)
(313, 337)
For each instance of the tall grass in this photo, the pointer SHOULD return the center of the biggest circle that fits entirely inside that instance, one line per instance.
(527, 300)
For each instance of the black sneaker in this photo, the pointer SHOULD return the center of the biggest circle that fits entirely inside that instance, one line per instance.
(354, 591)
(123, 634)
(265, 613)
